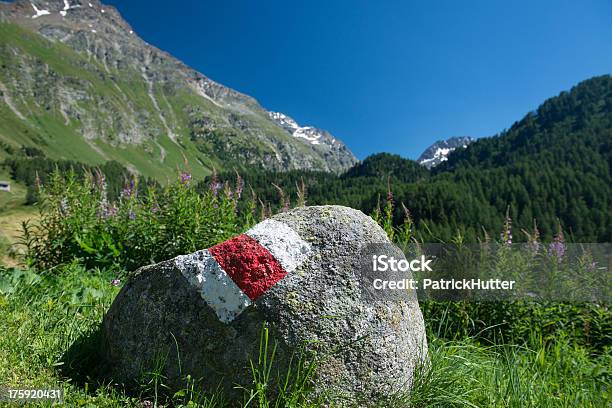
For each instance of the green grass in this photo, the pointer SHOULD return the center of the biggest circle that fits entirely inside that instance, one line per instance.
(466, 373)
(12, 212)
(53, 321)
(47, 130)
(13, 199)
(52, 317)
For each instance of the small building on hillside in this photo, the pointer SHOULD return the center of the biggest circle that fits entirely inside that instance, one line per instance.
(5, 186)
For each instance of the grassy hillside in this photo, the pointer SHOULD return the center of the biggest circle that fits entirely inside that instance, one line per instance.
(47, 129)
(75, 105)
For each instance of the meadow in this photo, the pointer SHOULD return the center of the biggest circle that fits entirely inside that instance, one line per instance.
(79, 250)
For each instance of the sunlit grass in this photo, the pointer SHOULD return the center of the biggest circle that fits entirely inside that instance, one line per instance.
(43, 316)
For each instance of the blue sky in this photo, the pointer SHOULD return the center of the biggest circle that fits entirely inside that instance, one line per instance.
(387, 75)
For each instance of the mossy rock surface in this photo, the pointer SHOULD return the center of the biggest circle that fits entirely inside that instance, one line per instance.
(367, 350)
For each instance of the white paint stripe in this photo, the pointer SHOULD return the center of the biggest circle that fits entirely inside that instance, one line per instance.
(214, 284)
(289, 249)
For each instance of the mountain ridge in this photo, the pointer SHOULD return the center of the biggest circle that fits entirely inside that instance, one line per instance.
(439, 151)
(130, 101)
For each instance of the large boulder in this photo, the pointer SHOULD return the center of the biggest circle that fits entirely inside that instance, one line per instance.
(300, 274)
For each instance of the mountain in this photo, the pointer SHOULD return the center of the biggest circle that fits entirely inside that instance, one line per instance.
(386, 167)
(573, 129)
(321, 140)
(553, 168)
(78, 83)
(439, 151)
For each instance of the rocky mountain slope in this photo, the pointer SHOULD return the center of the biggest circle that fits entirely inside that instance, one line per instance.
(77, 82)
(439, 151)
(320, 140)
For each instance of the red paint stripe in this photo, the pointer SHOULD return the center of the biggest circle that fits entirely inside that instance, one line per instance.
(251, 266)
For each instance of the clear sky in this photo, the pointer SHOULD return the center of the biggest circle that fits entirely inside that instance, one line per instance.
(387, 75)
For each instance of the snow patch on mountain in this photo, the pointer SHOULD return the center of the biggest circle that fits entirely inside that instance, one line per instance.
(440, 150)
(311, 134)
(39, 13)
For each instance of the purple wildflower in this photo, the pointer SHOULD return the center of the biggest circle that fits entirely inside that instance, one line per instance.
(390, 198)
(557, 248)
(228, 190)
(214, 183)
(100, 181)
(110, 211)
(534, 246)
(102, 209)
(132, 215)
(506, 237)
(533, 242)
(185, 178)
(155, 209)
(106, 210)
(239, 186)
(116, 282)
(215, 187)
(128, 189)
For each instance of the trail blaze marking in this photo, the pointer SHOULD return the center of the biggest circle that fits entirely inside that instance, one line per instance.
(233, 274)
(251, 266)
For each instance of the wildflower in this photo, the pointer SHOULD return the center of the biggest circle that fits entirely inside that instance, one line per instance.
(390, 198)
(185, 178)
(534, 246)
(155, 209)
(506, 234)
(557, 248)
(284, 200)
(102, 208)
(228, 190)
(100, 181)
(132, 215)
(128, 189)
(147, 404)
(390, 206)
(111, 211)
(116, 282)
(239, 186)
(215, 187)
(107, 210)
(214, 183)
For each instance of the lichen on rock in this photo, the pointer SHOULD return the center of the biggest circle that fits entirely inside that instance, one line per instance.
(365, 350)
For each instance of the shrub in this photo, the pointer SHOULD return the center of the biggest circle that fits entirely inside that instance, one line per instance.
(523, 320)
(79, 222)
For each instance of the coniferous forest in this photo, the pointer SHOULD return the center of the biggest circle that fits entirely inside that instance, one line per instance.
(553, 167)
(550, 170)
